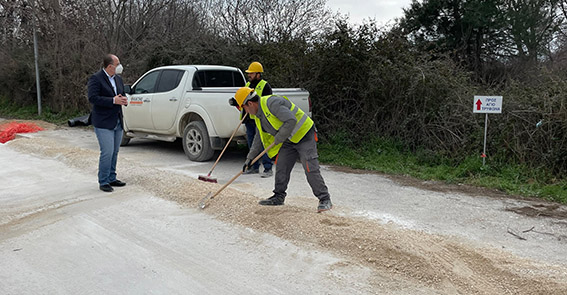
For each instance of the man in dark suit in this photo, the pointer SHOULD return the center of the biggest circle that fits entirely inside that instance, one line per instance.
(106, 94)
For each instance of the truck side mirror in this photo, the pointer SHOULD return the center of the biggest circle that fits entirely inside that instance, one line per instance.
(127, 89)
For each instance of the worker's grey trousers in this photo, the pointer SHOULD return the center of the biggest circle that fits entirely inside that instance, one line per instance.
(306, 151)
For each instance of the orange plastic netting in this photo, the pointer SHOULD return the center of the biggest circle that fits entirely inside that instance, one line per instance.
(8, 131)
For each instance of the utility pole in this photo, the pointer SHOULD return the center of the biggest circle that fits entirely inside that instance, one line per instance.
(36, 65)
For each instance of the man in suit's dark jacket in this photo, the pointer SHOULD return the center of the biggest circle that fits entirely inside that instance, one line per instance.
(105, 113)
(106, 94)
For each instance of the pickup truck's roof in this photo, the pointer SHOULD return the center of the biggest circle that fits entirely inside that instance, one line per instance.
(199, 67)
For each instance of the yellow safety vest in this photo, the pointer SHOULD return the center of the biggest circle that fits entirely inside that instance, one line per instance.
(303, 125)
(259, 89)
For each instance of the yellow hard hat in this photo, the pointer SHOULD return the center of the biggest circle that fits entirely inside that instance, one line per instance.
(255, 67)
(243, 94)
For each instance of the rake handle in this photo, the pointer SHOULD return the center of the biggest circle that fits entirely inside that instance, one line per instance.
(240, 173)
(227, 143)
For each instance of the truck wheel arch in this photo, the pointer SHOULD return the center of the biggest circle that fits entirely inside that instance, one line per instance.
(196, 114)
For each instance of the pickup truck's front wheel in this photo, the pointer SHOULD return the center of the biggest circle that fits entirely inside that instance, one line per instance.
(196, 143)
(125, 139)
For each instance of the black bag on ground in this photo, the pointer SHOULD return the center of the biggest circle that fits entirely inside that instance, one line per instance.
(80, 121)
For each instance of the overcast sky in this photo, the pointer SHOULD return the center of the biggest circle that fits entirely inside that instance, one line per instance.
(358, 10)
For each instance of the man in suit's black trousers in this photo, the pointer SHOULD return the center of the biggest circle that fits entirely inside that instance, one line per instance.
(106, 94)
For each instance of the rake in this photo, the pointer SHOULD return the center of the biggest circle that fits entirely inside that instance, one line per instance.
(210, 196)
(208, 177)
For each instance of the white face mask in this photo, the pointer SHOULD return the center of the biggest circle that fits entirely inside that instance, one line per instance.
(119, 69)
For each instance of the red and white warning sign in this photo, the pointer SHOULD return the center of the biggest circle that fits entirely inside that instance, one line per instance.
(487, 104)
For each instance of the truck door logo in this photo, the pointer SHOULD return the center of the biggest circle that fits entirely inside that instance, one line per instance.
(136, 101)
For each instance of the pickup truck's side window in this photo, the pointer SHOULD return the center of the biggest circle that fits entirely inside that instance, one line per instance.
(169, 80)
(147, 84)
(214, 78)
(238, 79)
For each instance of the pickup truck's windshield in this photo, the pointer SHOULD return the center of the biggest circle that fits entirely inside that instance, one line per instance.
(212, 78)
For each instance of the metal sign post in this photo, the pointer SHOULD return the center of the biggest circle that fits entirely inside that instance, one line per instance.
(38, 87)
(486, 105)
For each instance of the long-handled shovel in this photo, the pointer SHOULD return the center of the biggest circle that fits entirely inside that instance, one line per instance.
(210, 196)
(208, 178)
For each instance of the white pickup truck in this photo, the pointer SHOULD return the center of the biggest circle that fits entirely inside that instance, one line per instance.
(191, 102)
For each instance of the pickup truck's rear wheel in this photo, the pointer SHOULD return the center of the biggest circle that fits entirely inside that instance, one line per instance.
(196, 143)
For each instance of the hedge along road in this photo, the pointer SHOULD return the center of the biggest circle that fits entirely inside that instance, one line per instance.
(60, 234)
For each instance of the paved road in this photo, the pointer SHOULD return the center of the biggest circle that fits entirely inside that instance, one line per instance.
(478, 219)
(60, 235)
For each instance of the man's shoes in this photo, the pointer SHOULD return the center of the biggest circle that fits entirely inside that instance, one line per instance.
(272, 201)
(267, 173)
(106, 188)
(324, 205)
(117, 183)
(252, 171)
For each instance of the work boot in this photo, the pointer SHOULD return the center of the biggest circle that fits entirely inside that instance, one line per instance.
(252, 171)
(272, 201)
(267, 173)
(324, 205)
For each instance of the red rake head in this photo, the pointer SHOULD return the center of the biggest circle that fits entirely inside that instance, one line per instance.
(207, 179)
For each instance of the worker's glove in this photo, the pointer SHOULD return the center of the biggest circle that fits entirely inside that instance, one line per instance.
(247, 165)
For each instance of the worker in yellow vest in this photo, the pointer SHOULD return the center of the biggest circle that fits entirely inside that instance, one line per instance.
(281, 121)
(262, 87)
